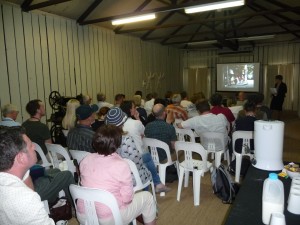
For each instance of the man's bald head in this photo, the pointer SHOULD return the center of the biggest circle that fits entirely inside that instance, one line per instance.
(158, 110)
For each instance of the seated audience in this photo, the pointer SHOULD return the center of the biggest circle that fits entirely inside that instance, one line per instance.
(101, 98)
(84, 99)
(106, 170)
(142, 112)
(184, 100)
(161, 130)
(168, 97)
(149, 103)
(19, 203)
(246, 123)
(119, 98)
(35, 129)
(261, 107)
(80, 137)
(217, 108)
(140, 93)
(191, 109)
(129, 150)
(206, 121)
(10, 113)
(69, 120)
(151, 117)
(101, 118)
(178, 112)
(260, 115)
(241, 99)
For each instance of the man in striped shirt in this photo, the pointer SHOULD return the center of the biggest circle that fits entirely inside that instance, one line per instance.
(80, 137)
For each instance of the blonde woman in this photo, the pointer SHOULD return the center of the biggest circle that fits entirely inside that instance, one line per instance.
(69, 121)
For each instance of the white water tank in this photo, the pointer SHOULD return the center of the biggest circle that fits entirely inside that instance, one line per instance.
(268, 144)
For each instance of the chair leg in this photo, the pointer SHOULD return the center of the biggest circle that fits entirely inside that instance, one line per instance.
(186, 178)
(218, 157)
(162, 174)
(153, 191)
(238, 164)
(196, 187)
(180, 180)
(227, 157)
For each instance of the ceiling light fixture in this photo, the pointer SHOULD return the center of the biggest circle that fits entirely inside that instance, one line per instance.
(203, 42)
(214, 6)
(134, 19)
(256, 37)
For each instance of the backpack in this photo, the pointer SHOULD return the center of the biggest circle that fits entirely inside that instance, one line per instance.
(223, 186)
(244, 167)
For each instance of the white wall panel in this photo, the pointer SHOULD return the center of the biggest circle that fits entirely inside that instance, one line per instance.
(42, 53)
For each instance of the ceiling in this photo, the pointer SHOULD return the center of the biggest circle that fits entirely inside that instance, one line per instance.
(222, 29)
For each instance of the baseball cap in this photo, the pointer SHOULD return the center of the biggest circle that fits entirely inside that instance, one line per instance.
(85, 111)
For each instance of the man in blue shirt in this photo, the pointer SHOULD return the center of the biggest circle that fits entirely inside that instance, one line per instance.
(10, 113)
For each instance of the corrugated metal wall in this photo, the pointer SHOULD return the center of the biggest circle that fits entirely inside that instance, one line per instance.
(271, 54)
(43, 53)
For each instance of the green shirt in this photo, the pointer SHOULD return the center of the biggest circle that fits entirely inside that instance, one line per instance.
(38, 133)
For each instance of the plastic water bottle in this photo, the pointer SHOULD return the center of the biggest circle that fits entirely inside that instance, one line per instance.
(273, 197)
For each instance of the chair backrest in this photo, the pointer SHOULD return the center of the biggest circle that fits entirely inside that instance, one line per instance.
(56, 150)
(92, 195)
(45, 161)
(153, 144)
(185, 135)
(212, 141)
(78, 155)
(246, 136)
(189, 148)
(139, 184)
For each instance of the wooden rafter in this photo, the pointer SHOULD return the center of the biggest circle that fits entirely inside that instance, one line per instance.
(161, 9)
(88, 11)
(43, 4)
(203, 21)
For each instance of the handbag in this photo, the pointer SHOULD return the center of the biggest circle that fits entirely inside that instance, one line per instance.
(61, 210)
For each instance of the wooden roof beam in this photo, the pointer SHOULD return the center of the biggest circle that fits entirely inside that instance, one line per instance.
(203, 21)
(88, 11)
(43, 4)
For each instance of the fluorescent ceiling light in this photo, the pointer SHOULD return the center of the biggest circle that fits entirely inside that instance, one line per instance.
(214, 6)
(256, 38)
(134, 19)
(203, 42)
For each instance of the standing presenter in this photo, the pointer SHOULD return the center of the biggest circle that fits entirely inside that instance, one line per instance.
(278, 97)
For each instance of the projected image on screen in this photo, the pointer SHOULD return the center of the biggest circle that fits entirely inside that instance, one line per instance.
(238, 76)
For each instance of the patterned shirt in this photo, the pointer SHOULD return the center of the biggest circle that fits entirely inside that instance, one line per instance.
(178, 112)
(80, 138)
(19, 204)
(128, 150)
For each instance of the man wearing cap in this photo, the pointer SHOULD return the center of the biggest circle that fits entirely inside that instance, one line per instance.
(10, 114)
(80, 137)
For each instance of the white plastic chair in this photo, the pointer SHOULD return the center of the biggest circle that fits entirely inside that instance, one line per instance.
(139, 184)
(185, 134)
(45, 161)
(90, 196)
(215, 144)
(152, 145)
(198, 167)
(56, 150)
(78, 155)
(246, 136)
